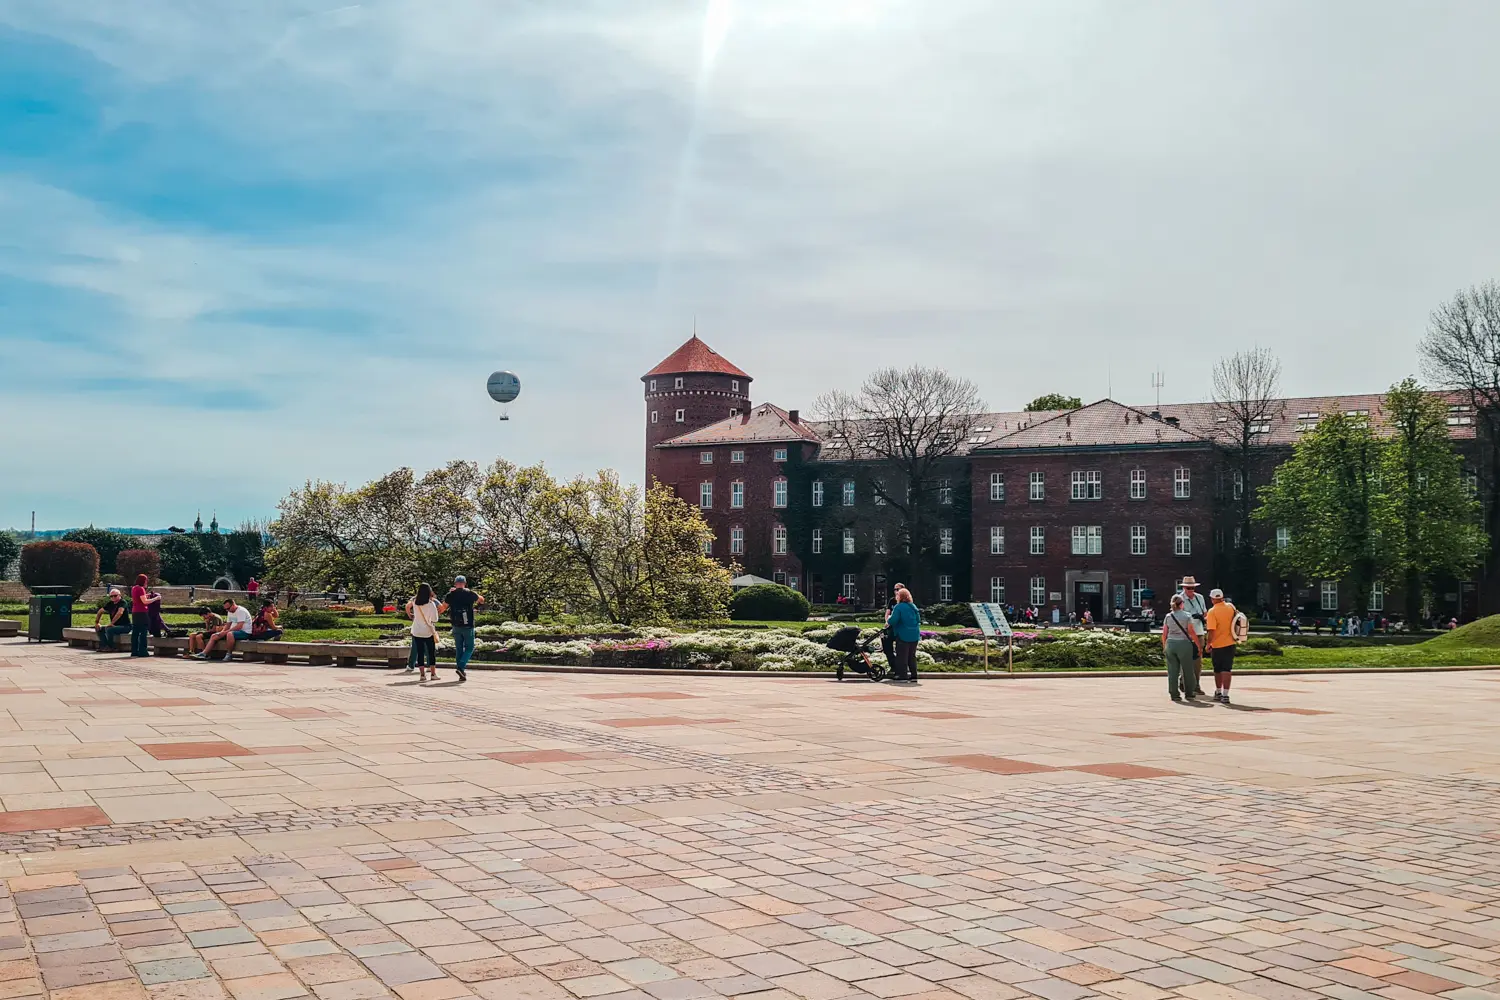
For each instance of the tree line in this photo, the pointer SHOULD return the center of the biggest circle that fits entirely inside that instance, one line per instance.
(590, 546)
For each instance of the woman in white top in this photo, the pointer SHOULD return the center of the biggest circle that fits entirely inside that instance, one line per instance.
(423, 610)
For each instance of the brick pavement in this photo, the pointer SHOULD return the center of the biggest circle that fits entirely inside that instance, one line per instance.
(184, 832)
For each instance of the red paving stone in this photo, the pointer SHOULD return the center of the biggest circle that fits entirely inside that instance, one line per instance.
(928, 715)
(994, 765)
(658, 720)
(1128, 771)
(195, 751)
(538, 756)
(1226, 734)
(27, 820)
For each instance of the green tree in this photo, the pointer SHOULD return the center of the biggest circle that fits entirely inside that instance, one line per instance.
(109, 544)
(10, 550)
(244, 555)
(1329, 496)
(1054, 401)
(1433, 504)
(181, 560)
(525, 570)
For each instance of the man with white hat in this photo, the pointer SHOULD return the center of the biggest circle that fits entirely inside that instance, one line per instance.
(1193, 604)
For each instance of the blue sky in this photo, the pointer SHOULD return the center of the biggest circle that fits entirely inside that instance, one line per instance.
(242, 246)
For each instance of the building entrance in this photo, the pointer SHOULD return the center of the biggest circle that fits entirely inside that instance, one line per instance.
(1089, 597)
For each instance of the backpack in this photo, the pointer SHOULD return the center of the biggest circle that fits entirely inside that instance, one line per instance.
(1240, 629)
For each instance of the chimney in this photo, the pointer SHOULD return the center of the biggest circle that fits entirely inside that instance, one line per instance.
(794, 416)
(745, 417)
(1155, 414)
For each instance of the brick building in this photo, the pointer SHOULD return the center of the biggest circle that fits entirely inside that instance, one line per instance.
(1083, 509)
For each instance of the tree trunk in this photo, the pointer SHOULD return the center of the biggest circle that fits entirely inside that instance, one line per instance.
(1413, 587)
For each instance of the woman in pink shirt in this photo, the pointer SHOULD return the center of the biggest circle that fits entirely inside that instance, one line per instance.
(141, 600)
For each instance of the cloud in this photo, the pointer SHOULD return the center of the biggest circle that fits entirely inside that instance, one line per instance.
(341, 217)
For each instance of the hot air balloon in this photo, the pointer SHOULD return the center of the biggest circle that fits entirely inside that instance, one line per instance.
(503, 388)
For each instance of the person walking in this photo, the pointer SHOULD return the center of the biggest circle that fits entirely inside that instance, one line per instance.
(1179, 644)
(423, 611)
(115, 613)
(1194, 605)
(459, 607)
(253, 587)
(906, 627)
(1221, 622)
(140, 615)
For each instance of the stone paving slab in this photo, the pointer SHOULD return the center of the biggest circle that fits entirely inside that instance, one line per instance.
(184, 832)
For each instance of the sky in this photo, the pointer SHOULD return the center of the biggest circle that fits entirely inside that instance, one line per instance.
(247, 245)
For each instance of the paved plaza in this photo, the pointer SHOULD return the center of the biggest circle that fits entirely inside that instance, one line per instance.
(192, 831)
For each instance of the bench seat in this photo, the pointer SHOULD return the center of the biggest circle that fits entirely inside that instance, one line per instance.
(9, 628)
(316, 653)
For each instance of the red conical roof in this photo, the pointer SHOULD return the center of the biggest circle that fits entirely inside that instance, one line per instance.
(695, 358)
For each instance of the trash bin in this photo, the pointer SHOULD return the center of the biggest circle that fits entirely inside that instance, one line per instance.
(51, 612)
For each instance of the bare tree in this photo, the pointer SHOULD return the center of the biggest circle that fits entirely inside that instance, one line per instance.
(1462, 351)
(909, 424)
(1246, 387)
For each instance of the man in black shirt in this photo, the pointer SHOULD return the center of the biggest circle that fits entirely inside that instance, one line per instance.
(459, 606)
(116, 613)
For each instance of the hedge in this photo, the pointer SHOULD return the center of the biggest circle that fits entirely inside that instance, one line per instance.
(132, 562)
(769, 602)
(74, 565)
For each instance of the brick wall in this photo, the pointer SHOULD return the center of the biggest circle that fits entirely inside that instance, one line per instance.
(704, 400)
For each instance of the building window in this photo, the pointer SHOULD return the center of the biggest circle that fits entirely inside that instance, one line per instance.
(1137, 539)
(1239, 535)
(737, 457)
(945, 587)
(1330, 594)
(653, 385)
(848, 541)
(1238, 484)
(877, 492)
(778, 493)
(678, 384)
(778, 540)
(705, 495)
(779, 455)
(1088, 539)
(736, 540)
(1182, 540)
(997, 590)
(1182, 483)
(997, 487)
(734, 411)
(1087, 486)
(848, 493)
(1137, 589)
(1038, 540)
(880, 541)
(851, 587)
(1377, 596)
(737, 494)
(817, 541)
(653, 416)
(1038, 590)
(705, 458)
(945, 541)
(682, 416)
(945, 491)
(817, 492)
(1137, 484)
(1283, 538)
(997, 540)
(708, 546)
(734, 385)
(1038, 489)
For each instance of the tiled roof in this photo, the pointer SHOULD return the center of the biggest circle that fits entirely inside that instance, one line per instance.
(1102, 424)
(1288, 415)
(694, 358)
(983, 429)
(763, 423)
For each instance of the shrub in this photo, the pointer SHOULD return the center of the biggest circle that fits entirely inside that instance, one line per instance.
(948, 614)
(110, 579)
(1092, 650)
(74, 565)
(292, 618)
(108, 544)
(769, 602)
(132, 562)
(1261, 645)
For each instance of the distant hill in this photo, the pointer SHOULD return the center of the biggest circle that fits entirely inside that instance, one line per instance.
(59, 532)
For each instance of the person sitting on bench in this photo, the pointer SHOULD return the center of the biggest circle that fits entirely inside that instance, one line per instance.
(117, 612)
(264, 629)
(237, 627)
(211, 623)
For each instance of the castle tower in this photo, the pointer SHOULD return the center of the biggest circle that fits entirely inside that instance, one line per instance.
(694, 387)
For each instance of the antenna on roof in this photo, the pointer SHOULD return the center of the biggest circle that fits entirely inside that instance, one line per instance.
(1158, 379)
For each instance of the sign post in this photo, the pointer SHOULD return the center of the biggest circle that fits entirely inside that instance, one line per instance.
(992, 622)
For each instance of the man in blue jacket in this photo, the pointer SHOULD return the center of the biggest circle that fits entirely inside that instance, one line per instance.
(906, 625)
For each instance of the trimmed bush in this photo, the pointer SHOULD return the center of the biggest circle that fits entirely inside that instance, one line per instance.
(769, 602)
(132, 562)
(74, 565)
(948, 614)
(292, 618)
(1260, 645)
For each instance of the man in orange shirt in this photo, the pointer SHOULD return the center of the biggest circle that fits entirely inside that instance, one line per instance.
(1220, 624)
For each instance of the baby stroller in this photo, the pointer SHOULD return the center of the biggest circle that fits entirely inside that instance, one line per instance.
(857, 653)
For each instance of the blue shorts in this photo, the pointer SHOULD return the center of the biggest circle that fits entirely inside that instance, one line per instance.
(240, 636)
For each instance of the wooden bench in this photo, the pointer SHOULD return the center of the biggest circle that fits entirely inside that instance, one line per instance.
(318, 654)
(9, 628)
